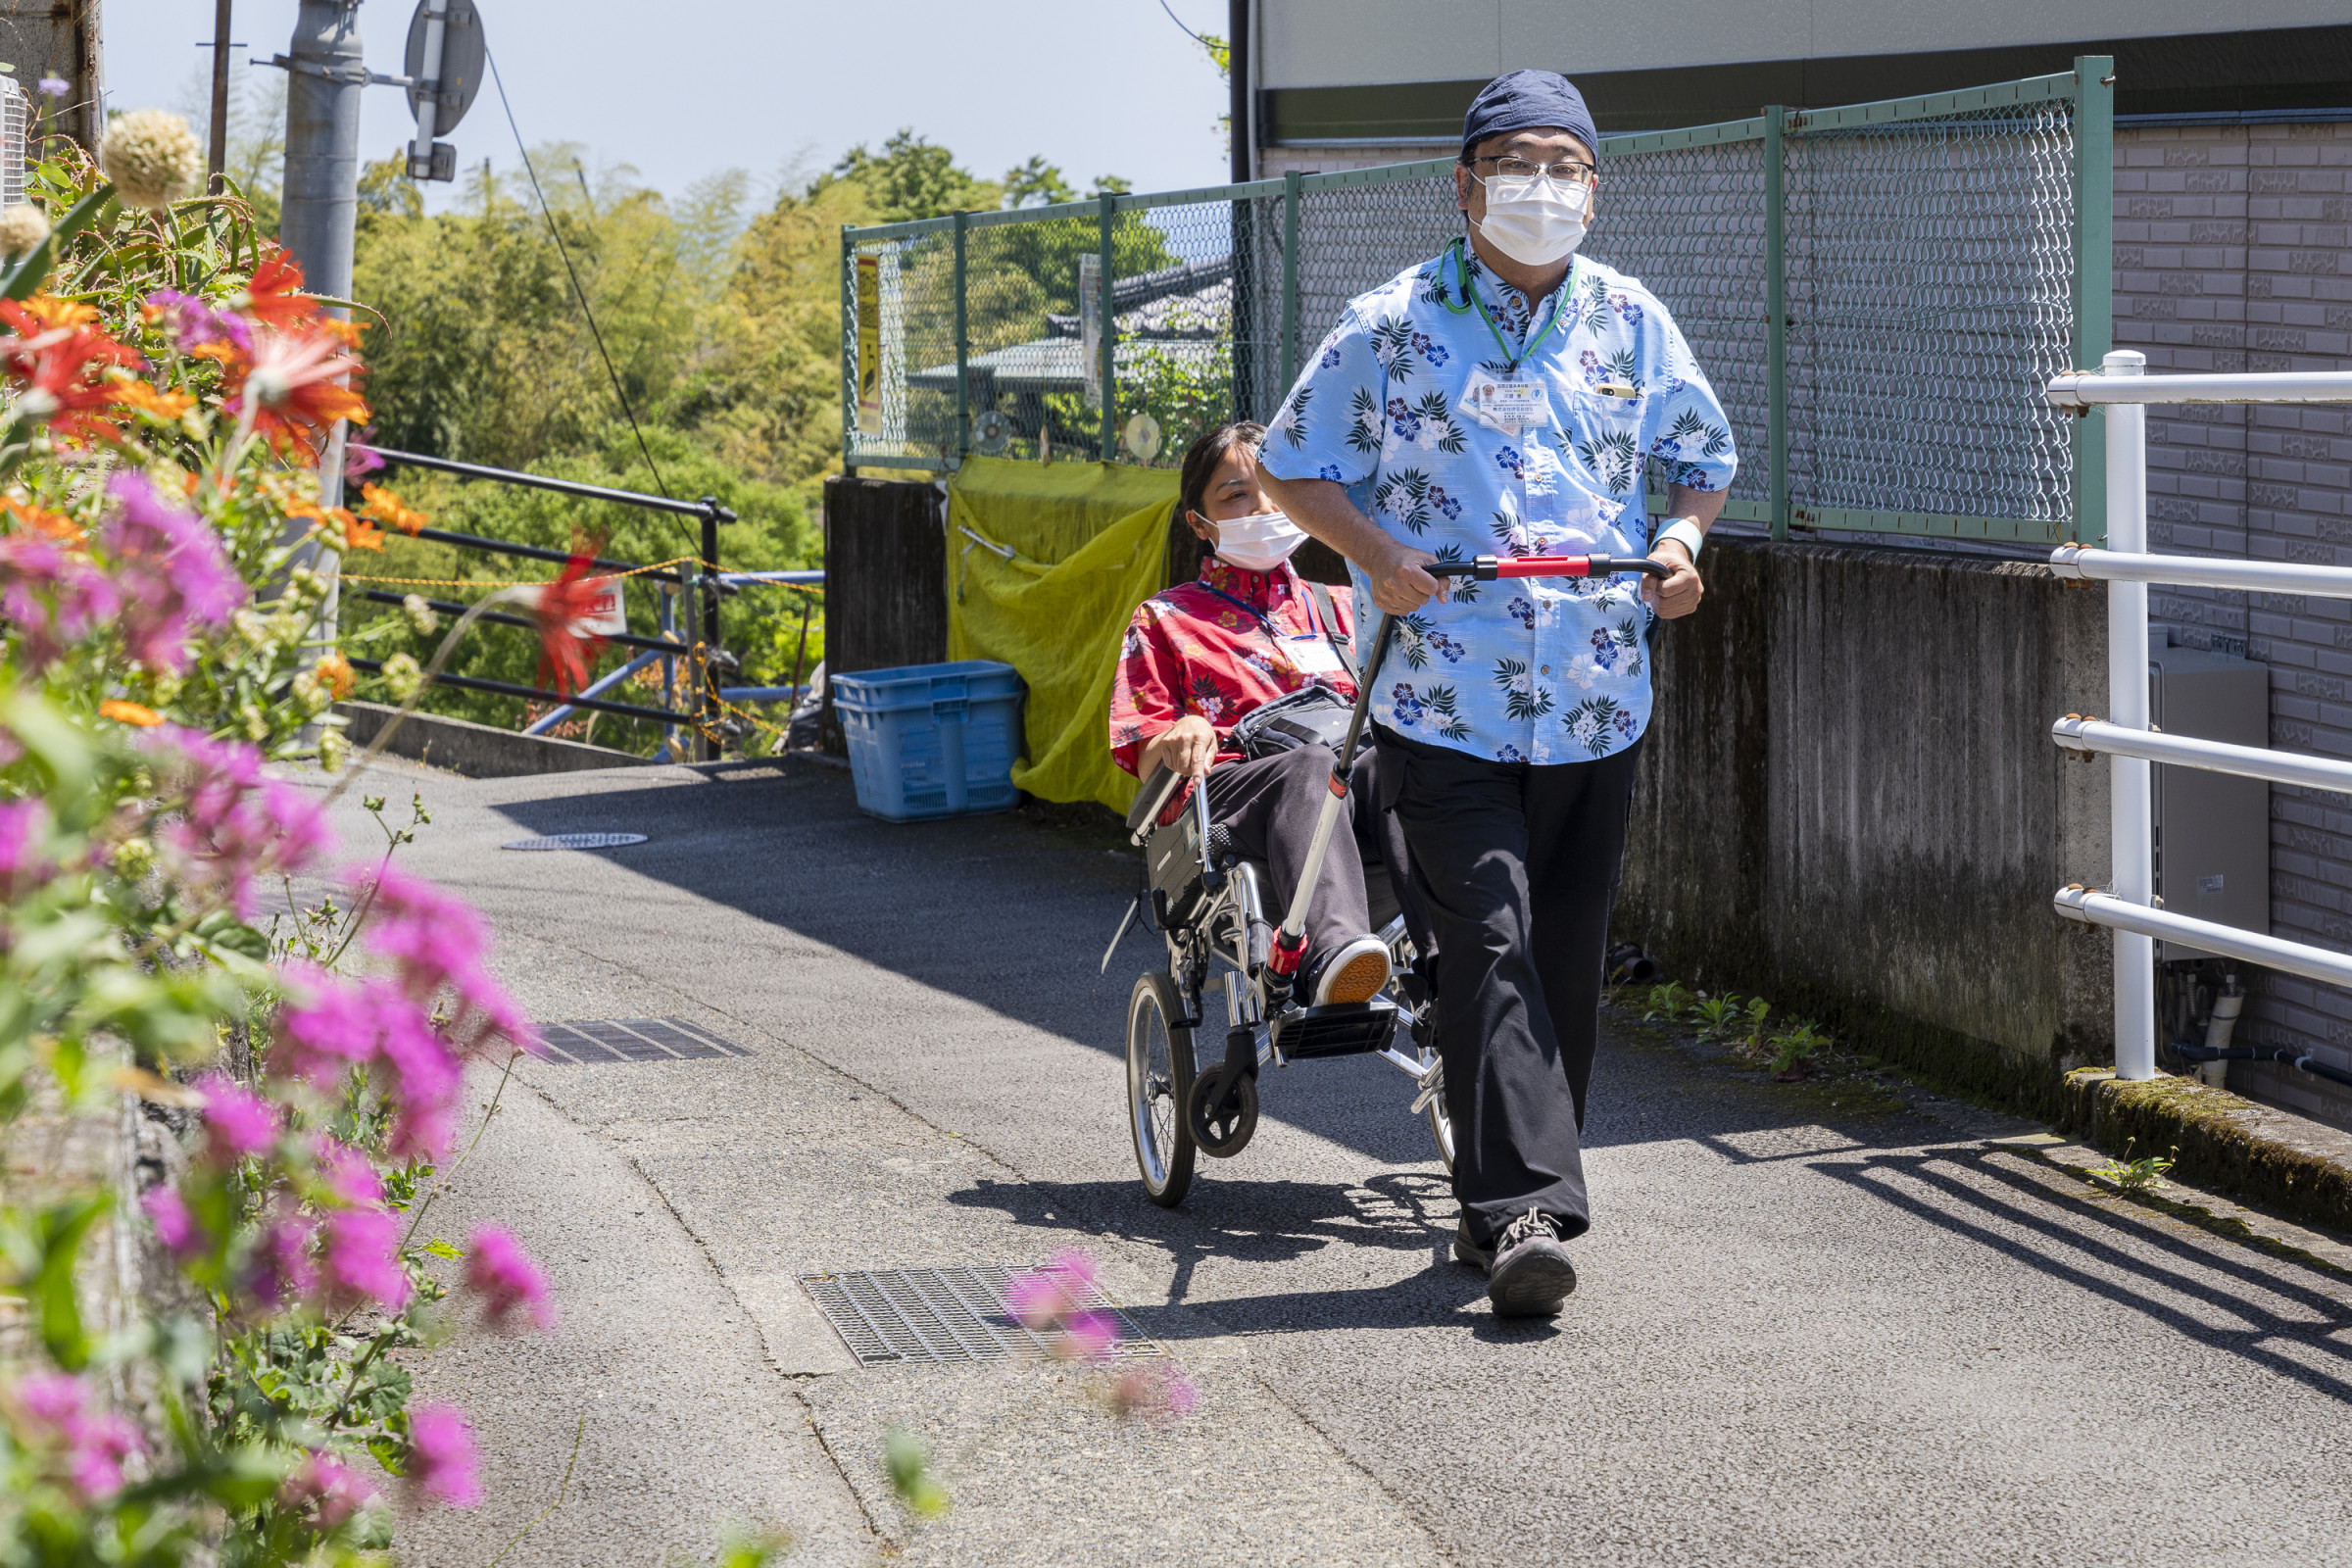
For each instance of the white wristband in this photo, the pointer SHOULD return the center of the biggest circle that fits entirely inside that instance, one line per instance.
(1683, 531)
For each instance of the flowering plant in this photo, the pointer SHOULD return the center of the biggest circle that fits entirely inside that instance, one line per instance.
(230, 1392)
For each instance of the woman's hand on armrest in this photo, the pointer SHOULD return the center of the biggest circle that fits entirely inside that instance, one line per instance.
(1186, 747)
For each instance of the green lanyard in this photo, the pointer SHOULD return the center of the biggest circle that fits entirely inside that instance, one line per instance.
(1512, 362)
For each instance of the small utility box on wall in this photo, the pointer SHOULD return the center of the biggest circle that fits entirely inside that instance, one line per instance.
(2212, 831)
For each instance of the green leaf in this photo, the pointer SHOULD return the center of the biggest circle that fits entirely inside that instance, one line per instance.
(57, 747)
(223, 930)
(438, 1248)
(31, 272)
(59, 1238)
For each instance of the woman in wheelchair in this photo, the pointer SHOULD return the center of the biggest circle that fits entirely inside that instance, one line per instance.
(1205, 655)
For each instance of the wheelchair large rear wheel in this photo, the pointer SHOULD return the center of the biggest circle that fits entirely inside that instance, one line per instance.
(1441, 1126)
(1160, 1086)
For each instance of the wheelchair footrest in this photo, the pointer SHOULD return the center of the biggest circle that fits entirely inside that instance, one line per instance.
(1342, 1029)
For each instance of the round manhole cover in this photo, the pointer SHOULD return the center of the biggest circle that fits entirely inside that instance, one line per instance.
(578, 841)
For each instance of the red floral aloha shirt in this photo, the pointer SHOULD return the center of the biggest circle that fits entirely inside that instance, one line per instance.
(1191, 650)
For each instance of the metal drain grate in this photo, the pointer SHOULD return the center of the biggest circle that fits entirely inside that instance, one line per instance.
(577, 841)
(599, 1040)
(909, 1316)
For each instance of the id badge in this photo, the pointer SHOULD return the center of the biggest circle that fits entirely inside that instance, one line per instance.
(1312, 656)
(1513, 405)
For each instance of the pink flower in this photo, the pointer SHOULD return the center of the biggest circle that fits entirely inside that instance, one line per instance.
(236, 1124)
(171, 570)
(51, 599)
(362, 1257)
(439, 942)
(56, 1407)
(348, 1174)
(24, 825)
(428, 1079)
(175, 1226)
(326, 1485)
(99, 1450)
(232, 824)
(325, 1028)
(441, 1456)
(1046, 1299)
(282, 1272)
(497, 1266)
(1086, 1337)
(1154, 1393)
(195, 324)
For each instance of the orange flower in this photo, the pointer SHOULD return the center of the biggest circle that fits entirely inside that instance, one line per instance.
(357, 533)
(334, 669)
(65, 530)
(122, 712)
(389, 507)
(56, 315)
(58, 361)
(166, 407)
(297, 386)
(275, 293)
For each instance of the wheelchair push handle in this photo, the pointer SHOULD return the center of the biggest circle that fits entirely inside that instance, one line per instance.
(1486, 568)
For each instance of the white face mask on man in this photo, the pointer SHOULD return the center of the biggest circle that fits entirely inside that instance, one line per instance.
(1259, 542)
(1535, 221)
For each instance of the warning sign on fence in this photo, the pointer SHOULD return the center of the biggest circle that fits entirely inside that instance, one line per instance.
(869, 345)
(605, 616)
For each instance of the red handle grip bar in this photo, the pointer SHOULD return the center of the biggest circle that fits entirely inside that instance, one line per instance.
(1486, 568)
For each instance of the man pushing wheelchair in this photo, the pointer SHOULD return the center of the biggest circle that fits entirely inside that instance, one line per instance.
(1507, 395)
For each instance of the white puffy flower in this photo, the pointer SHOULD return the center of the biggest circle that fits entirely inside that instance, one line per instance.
(21, 227)
(331, 750)
(152, 158)
(403, 676)
(420, 615)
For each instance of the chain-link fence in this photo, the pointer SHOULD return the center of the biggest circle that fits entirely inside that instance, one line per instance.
(1879, 294)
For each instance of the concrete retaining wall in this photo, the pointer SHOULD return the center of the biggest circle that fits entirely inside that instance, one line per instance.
(1850, 804)
(478, 751)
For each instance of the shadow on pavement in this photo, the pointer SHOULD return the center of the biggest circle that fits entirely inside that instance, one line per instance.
(1247, 1221)
(1013, 915)
(2207, 1287)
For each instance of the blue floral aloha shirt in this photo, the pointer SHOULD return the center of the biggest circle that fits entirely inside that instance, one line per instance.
(1526, 670)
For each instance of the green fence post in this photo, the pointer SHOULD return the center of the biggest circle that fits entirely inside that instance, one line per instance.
(964, 353)
(1290, 279)
(849, 350)
(1111, 333)
(1775, 315)
(2094, 277)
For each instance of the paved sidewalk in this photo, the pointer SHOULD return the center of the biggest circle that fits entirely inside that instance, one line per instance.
(1883, 1342)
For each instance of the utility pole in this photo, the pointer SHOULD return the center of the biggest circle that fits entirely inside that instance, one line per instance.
(221, 47)
(327, 73)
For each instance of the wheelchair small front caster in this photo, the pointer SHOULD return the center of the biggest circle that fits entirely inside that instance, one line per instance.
(1223, 1120)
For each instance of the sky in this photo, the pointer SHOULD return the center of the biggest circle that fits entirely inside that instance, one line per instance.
(774, 87)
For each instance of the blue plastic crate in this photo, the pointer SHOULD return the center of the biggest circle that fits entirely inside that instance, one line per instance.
(932, 739)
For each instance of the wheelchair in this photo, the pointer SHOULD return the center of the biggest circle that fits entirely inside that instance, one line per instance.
(1221, 924)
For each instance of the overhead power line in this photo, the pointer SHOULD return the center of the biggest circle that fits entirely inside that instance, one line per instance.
(620, 396)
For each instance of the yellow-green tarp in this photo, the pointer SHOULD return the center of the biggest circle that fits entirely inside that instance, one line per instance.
(1088, 543)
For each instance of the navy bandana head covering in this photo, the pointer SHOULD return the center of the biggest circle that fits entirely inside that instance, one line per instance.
(1526, 100)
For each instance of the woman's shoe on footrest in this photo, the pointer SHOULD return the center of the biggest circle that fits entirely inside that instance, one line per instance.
(1357, 972)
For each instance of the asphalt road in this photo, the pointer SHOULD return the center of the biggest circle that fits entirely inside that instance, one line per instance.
(1800, 1339)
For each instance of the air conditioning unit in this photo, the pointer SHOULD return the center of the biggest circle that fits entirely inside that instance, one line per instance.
(2212, 831)
(15, 120)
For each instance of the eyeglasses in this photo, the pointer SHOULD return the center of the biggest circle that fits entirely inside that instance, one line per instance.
(1566, 173)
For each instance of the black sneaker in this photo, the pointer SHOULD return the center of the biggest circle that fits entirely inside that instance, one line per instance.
(1466, 1251)
(1530, 1275)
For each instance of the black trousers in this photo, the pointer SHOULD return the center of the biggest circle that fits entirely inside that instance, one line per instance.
(1517, 868)
(1270, 805)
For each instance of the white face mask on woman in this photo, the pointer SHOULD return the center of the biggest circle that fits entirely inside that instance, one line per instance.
(1535, 221)
(1259, 542)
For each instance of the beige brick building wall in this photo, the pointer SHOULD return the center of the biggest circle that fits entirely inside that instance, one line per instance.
(2234, 252)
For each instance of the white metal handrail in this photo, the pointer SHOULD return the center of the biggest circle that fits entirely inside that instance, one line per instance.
(2215, 757)
(2129, 386)
(2075, 563)
(2093, 907)
(2129, 907)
